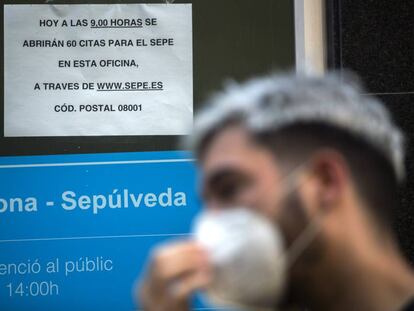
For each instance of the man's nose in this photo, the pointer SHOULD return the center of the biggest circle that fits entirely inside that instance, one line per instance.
(214, 206)
(219, 206)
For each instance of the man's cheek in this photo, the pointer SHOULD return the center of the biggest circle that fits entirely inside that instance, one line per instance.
(292, 218)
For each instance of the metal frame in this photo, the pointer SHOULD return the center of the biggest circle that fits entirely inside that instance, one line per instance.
(310, 37)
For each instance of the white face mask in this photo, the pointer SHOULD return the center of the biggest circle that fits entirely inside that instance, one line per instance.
(248, 257)
(248, 254)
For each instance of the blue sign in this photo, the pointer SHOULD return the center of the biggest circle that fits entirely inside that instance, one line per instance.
(76, 230)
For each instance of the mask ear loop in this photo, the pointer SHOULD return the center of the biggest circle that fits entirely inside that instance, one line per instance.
(312, 228)
(304, 240)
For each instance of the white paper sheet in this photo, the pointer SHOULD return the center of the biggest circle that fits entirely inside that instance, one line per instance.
(86, 70)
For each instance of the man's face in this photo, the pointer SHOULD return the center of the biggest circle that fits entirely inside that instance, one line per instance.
(237, 172)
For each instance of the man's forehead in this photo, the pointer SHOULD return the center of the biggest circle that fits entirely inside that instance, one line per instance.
(233, 143)
(234, 148)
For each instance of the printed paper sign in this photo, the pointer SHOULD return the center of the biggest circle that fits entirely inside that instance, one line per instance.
(95, 70)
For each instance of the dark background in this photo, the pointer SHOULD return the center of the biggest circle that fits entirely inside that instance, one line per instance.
(375, 39)
(231, 38)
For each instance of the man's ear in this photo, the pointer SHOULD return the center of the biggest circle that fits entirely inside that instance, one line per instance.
(332, 175)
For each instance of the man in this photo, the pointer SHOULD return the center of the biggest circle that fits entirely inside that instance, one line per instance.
(349, 155)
